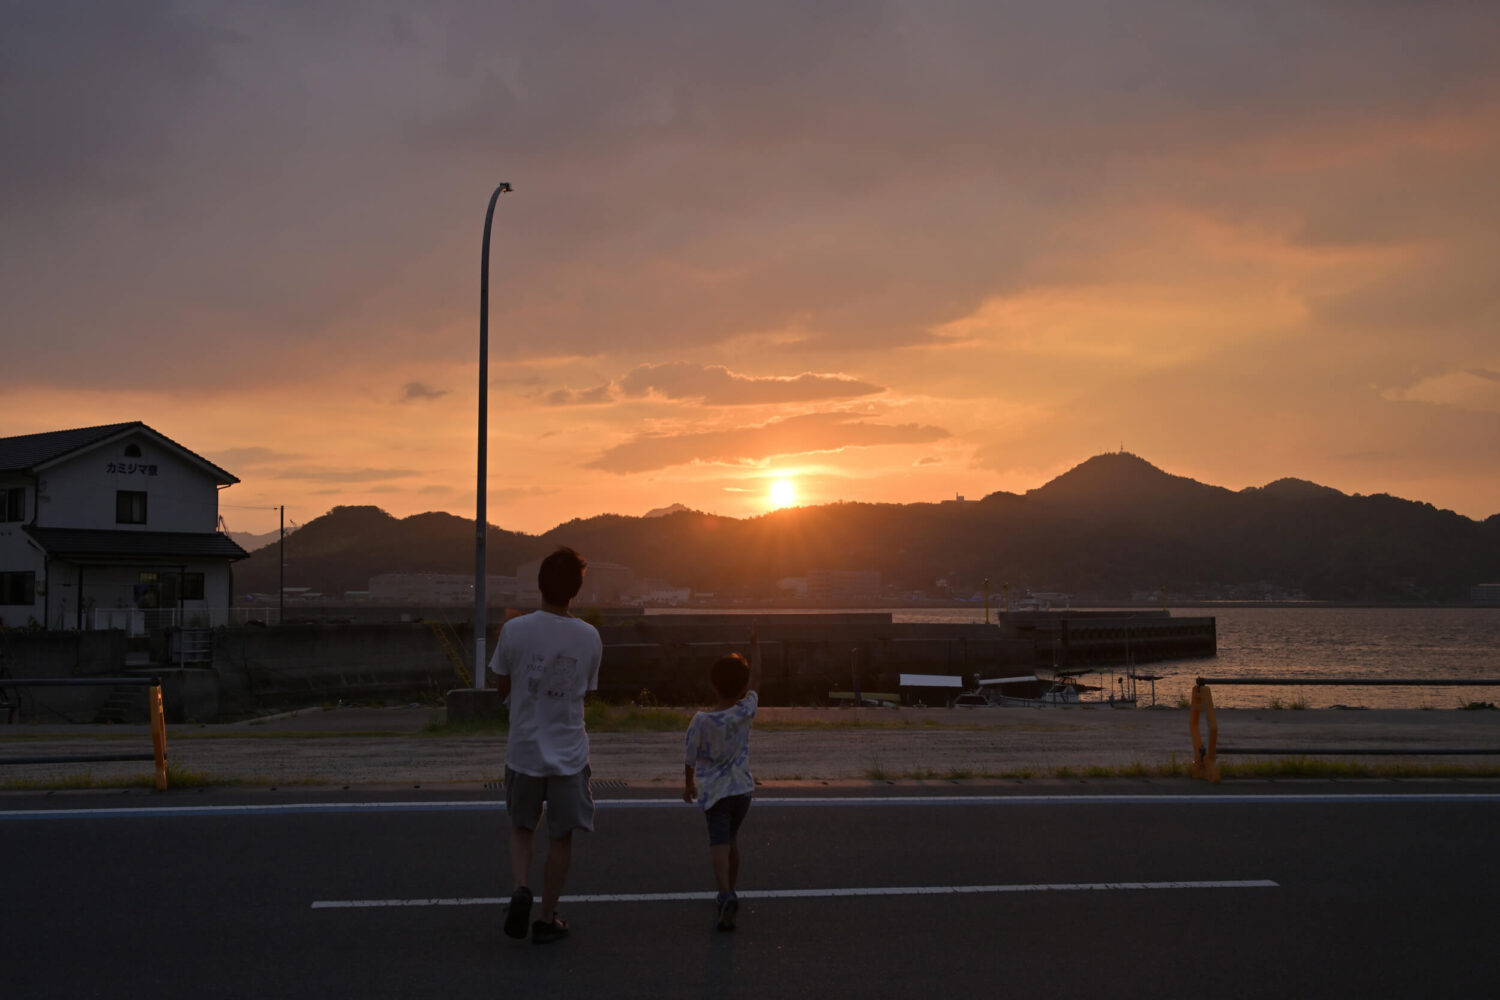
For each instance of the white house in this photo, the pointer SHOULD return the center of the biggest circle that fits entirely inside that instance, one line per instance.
(111, 527)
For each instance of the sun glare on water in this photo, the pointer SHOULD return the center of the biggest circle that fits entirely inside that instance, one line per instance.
(783, 493)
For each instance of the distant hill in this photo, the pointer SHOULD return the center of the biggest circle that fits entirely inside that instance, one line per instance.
(250, 541)
(342, 549)
(1111, 527)
(664, 511)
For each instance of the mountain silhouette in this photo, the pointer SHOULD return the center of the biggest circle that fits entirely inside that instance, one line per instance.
(1113, 527)
(1121, 480)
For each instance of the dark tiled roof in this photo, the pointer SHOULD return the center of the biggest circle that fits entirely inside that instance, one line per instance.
(71, 543)
(26, 451)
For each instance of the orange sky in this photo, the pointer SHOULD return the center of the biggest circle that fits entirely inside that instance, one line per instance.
(891, 252)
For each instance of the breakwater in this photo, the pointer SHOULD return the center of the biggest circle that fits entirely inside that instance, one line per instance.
(808, 655)
(660, 657)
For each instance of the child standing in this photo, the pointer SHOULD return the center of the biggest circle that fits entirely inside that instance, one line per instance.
(717, 768)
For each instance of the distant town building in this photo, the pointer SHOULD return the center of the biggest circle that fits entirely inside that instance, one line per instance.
(842, 584)
(604, 584)
(437, 588)
(660, 594)
(1485, 593)
(114, 526)
(1043, 601)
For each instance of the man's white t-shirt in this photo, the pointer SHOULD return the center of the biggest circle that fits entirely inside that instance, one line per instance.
(552, 661)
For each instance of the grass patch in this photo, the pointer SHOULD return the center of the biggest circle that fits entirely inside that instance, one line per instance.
(1312, 767)
(819, 725)
(601, 717)
(177, 777)
(468, 727)
(598, 717)
(604, 718)
(276, 734)
(174, 733)
(1292, 767)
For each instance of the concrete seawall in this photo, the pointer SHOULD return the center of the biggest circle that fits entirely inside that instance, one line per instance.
(662, 659)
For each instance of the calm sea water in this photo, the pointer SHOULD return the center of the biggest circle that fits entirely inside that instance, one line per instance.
(1384, 643)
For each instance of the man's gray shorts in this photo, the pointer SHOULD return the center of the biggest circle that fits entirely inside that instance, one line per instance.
(570, 803)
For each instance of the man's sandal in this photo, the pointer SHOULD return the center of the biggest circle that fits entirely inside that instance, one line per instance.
(546, 933)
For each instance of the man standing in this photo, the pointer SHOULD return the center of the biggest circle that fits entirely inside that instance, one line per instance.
(546, 662)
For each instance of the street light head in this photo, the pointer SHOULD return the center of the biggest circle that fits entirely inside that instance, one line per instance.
(505, 187)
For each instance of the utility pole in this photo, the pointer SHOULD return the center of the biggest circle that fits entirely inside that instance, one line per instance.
(480, 519)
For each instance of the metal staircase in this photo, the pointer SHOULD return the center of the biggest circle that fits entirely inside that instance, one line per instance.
(440, 631)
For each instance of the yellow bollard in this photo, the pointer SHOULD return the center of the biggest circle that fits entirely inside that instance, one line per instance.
(1205, 758)
(1212, 762)
(158, 735)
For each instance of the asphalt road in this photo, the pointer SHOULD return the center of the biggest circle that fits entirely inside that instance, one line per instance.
(1209, 893)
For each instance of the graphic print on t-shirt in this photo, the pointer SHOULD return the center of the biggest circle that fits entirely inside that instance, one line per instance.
(554, 678)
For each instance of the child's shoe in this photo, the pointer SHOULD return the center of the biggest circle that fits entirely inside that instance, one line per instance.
(729, 908)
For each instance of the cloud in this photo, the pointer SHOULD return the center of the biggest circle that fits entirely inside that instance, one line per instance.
(815, 432)
(1476, 390)
(334, 474)
(251, 456)
(584, 397)
(417, 390)
(716, 385)
(152, 165)
(1264, 237)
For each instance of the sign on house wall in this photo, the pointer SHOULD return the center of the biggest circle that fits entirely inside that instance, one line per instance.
(83, 491)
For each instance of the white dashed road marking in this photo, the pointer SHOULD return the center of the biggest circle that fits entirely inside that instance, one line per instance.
(902, 890)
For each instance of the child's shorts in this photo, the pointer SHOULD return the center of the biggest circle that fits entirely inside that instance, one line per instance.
(724, 818)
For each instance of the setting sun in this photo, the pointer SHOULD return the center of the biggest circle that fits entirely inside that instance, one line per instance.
(783, 493)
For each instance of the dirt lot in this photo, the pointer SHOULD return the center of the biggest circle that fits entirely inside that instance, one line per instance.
(387, 745)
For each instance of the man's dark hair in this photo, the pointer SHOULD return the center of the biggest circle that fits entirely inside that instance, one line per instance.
(561, 576)
(729, 675)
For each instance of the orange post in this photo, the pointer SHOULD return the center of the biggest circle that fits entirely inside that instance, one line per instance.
(158, 735)
(1205, 758)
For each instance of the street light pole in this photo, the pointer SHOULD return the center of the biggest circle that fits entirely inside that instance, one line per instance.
(484, 418)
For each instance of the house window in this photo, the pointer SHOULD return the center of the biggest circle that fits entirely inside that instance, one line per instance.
(132, 451)
(130, 507)
(192, 587)
(13, 504)
(18, 588)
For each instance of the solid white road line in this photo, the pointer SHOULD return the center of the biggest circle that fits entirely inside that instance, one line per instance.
(903, 890)
(767, 802)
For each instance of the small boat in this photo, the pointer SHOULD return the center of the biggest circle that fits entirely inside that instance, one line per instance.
(1031, 691)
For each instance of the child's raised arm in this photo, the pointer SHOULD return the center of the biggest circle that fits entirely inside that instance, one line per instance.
(754, 660)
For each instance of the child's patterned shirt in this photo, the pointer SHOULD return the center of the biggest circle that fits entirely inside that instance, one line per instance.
(718, 750)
